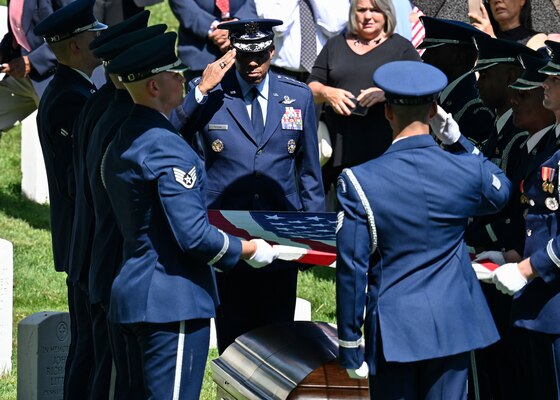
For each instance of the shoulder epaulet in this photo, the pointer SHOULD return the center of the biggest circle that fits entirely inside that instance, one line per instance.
(291, 81)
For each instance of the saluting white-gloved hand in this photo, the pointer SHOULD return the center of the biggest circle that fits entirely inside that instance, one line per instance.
(508, 279)
(360, 373)
(264, 254)
(497, 257)
(445, 127)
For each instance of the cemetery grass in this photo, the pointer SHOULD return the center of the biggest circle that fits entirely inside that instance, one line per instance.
(37, 287)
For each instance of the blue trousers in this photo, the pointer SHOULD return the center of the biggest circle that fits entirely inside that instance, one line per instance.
(173, 357)
(544, 365)
(436, 379)
(79, 364)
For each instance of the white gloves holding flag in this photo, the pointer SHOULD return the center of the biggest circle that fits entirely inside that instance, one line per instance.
(445, 127)
(484, 274)
(264, 254)
(508, 279)
(360, 373)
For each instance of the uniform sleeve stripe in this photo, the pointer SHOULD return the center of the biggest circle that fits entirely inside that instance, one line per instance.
(367, 208)
(491, 233)
(339, 220)
(551, 254)
(350, 344)
(225, 248)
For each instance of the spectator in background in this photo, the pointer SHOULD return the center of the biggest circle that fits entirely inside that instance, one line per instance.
(112, 12)
(307, 26)
(508, 20)
(26, 60)
(341, 78)
(200, 43)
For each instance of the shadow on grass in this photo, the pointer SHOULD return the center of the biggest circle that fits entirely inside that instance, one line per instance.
(13, 204)
(322, 273)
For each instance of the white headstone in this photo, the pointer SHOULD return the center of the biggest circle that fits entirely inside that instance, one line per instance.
(43, 341)
(34, 183)
(6, 305)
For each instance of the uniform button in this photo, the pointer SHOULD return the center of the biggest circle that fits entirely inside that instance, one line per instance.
(256, 196)
(532, 203)
(529, 232)
(508, 221)
(259, 152)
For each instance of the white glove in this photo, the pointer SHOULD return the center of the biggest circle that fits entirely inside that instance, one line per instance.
(360, 373)
(445, 127)
(508, 279)
(264, 254)
(497, 257)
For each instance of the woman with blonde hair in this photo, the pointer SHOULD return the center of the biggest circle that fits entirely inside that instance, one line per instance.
(342, 79)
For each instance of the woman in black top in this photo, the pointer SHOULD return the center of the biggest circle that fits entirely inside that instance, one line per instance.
(509, 20)
(342, 78)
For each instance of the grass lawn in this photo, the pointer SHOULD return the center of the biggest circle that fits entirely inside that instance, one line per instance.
(37, 287)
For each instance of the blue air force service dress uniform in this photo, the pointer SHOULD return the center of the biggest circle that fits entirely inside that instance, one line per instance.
(164, 292)
(460, 97)
(110, 346)
(401, 255)
(59, 107)
(536, 307)
(277, 169)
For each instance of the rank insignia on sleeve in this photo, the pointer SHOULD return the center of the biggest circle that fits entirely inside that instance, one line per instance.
(187, 179)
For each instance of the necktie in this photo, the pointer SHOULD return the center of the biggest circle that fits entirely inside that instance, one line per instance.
(256, 115)
(16, 16)
(308, 39)
(223, 6)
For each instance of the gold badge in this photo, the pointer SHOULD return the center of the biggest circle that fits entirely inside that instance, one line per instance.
(291, 146)
(217, 145)
(551, 203)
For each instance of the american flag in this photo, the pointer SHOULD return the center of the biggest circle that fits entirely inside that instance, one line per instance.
(418, 32)
(311, 236)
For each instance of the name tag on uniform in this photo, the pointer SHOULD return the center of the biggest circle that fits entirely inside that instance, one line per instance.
(218, 127)
(292, 119)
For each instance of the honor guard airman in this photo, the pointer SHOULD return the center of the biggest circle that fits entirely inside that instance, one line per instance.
(401, 254)
(164, 292)
(500, 366)
(68, 32)
(259, 142)
(449, 46)
(535, 281)
(102, 117)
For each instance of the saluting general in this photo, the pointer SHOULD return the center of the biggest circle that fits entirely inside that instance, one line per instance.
(400, 249)
(258, 135)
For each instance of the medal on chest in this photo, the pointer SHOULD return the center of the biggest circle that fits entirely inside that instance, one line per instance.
(547, 175)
